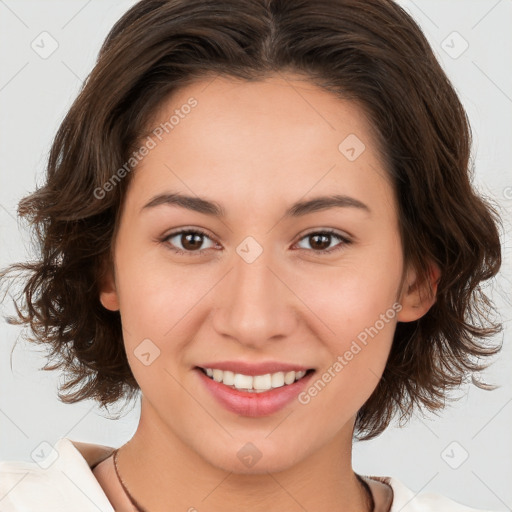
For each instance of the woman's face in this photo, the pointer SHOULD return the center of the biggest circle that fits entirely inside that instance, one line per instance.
(264, 282)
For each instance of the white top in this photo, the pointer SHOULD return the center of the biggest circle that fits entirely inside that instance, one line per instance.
(64, 482)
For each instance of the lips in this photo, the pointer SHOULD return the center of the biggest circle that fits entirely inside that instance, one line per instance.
(253, 404)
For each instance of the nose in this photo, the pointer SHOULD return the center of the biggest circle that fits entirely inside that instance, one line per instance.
(255, 303)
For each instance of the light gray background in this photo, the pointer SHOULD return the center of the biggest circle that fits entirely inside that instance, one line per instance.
(35, 93)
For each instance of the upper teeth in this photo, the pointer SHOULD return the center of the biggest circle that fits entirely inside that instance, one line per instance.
(256, 383)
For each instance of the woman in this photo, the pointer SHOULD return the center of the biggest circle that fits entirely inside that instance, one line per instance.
(260, 215)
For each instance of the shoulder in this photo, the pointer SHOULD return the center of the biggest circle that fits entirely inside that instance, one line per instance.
(61, 480)
(407, 500)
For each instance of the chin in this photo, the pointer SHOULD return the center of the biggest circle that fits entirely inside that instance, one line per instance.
(255, 457)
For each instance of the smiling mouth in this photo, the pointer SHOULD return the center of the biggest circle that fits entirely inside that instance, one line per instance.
(256, 383)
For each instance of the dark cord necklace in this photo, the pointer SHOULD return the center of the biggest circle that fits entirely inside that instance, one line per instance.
(369, 494)
(130, 497)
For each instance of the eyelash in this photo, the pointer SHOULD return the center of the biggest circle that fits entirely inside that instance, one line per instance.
(345, 241)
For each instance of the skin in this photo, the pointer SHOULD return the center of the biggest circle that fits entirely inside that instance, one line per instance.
(255, 148)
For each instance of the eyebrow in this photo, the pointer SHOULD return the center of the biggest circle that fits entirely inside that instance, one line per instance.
(298, 209)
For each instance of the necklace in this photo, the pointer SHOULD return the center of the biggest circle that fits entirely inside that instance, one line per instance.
(370, 500)
(130, 497)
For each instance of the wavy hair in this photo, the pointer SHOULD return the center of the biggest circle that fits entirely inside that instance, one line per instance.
(370, 52)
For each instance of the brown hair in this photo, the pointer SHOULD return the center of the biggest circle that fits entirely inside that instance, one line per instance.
(371, 52)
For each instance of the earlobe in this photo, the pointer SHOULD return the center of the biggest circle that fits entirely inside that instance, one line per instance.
(108, 291)
(109, 300)
(418, 297)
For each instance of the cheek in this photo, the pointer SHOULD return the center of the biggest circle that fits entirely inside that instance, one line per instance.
(352, 295)
(362, 327)
(155, 308)
(154, 292)
(356, 309)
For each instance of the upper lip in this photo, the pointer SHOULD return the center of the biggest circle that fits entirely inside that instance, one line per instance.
(248, 368)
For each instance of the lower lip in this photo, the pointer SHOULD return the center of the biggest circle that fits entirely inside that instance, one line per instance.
(254, 404)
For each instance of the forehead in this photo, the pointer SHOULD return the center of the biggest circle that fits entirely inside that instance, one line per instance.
(279, 135)
(285, 104)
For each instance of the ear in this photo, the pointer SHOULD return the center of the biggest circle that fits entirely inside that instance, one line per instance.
(108, 290)
(418, 297)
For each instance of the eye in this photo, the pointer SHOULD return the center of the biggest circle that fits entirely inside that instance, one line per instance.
(322, 239)
(189, 240)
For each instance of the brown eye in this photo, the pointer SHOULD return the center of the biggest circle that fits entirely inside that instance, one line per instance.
(320, 241)
(188, 242)
(191, 241)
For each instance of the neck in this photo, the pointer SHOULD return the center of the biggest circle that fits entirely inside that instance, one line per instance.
(159, 467)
